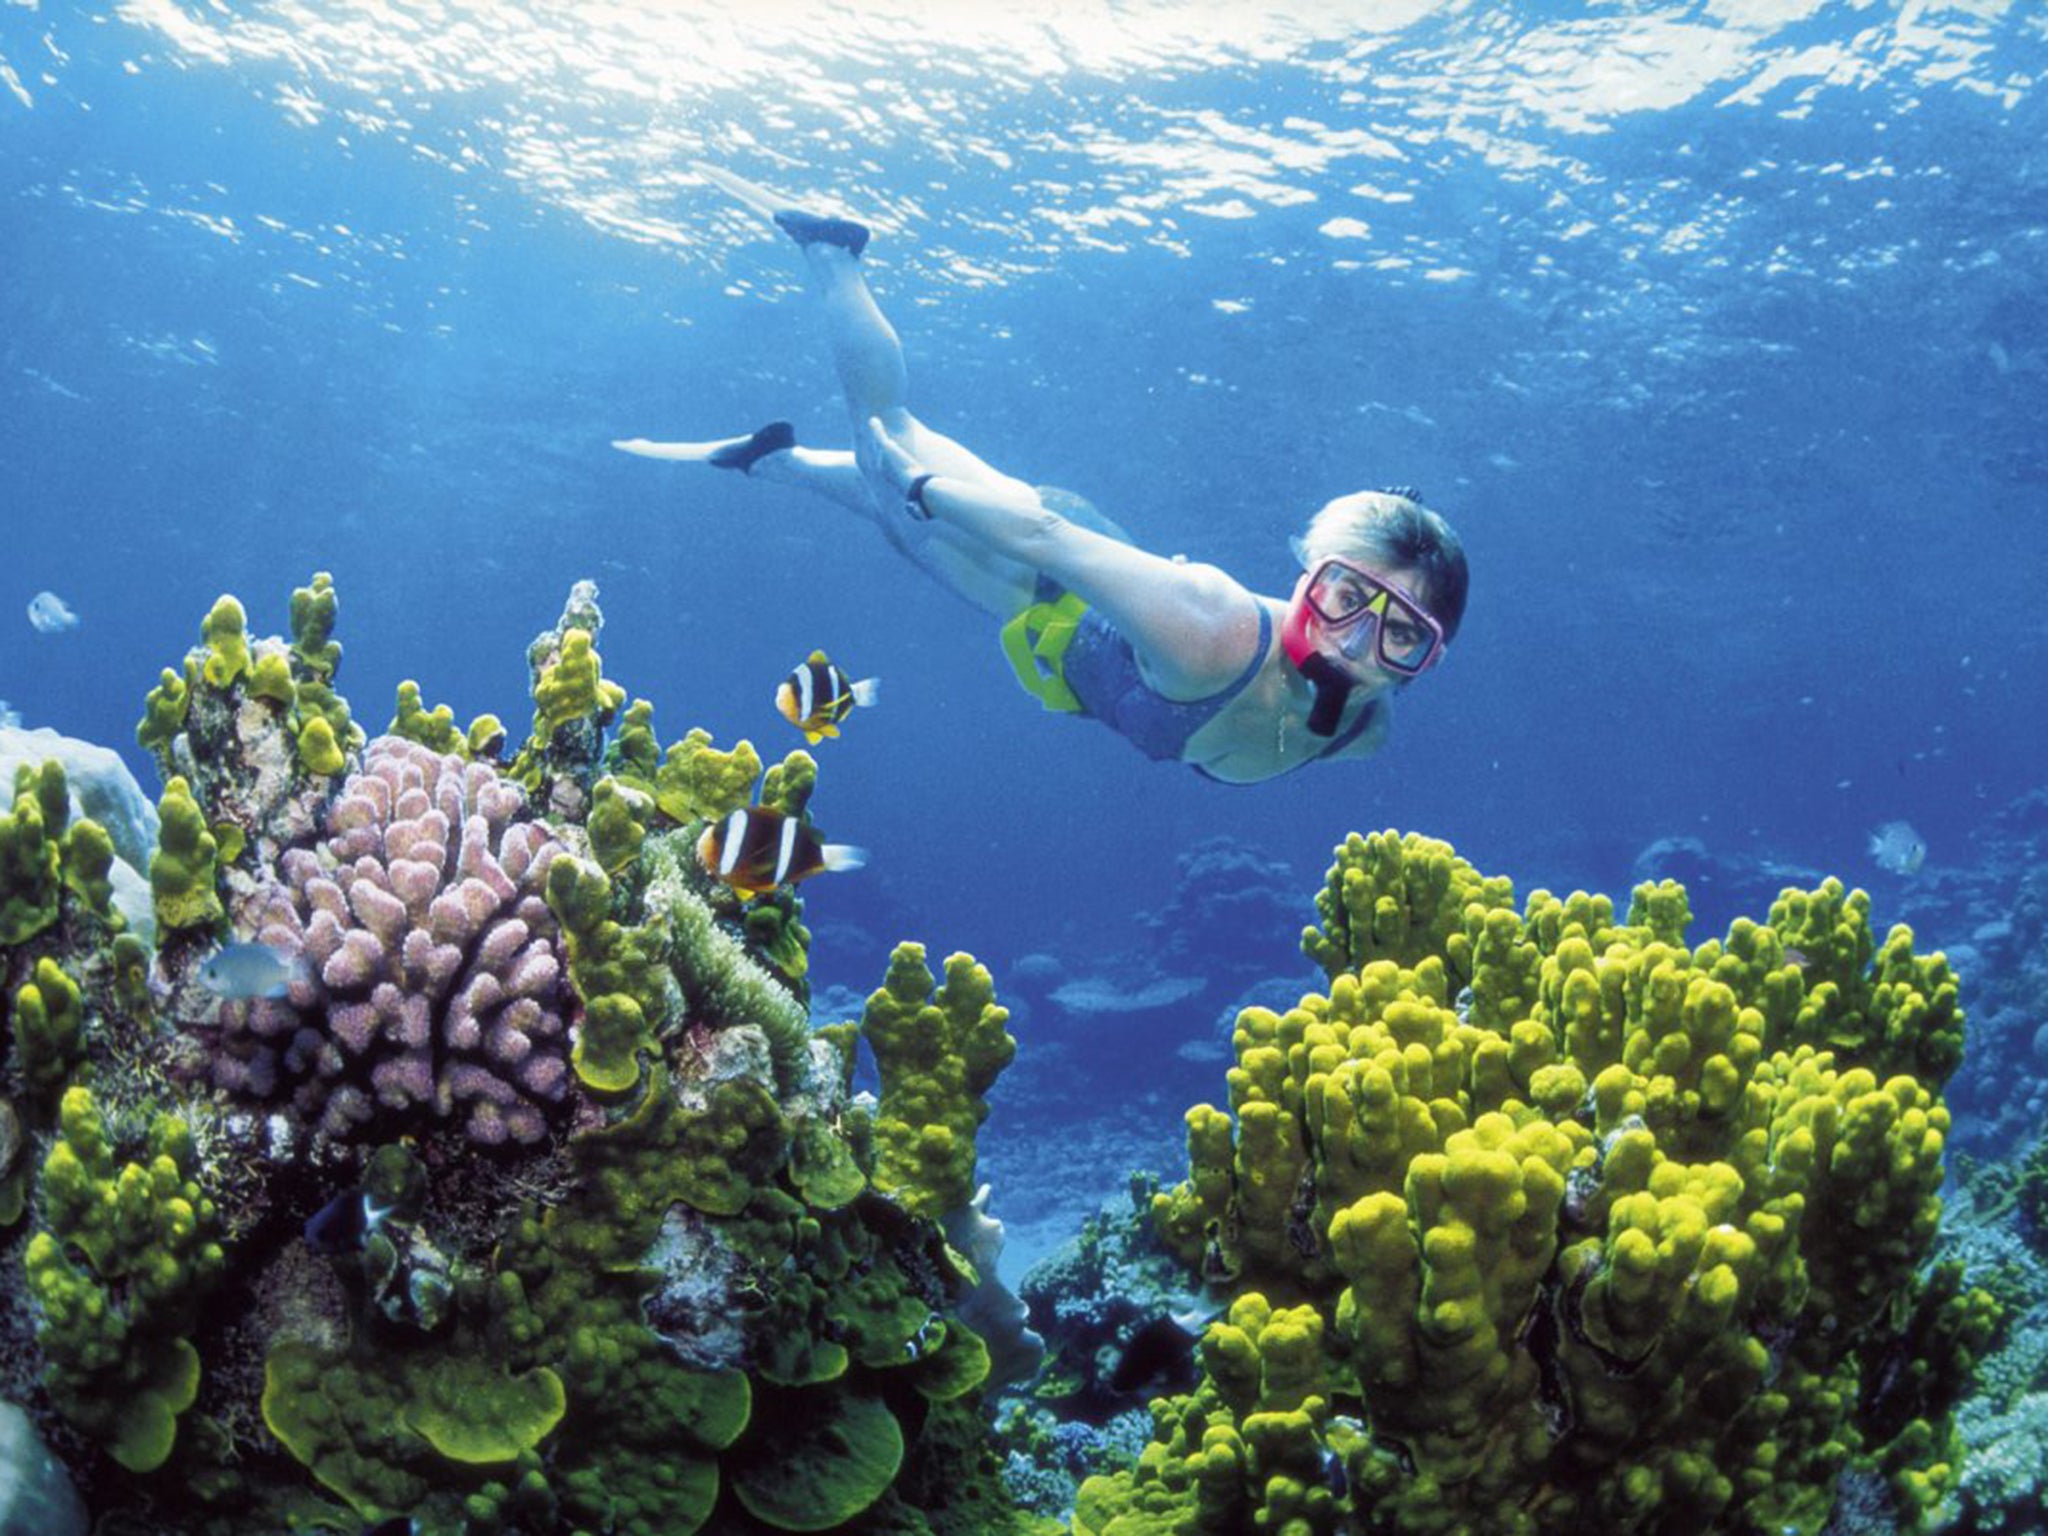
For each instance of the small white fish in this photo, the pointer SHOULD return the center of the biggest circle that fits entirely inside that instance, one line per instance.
(251, 970)
(50, 614)
(1896, 847)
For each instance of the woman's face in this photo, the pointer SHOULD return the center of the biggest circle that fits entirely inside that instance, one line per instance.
(1371, 622)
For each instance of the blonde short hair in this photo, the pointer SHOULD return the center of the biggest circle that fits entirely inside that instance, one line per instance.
(1392, 531)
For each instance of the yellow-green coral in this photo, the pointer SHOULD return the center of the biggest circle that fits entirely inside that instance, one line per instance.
(938, 1053)
(1603, 1232)
(787, 786)
(634, 753)
(31, 853)
(163, 712)
(618, 970)
(326, 734)
(485, 737)
(432, 728)
(226, 633)
(696, 782)
(181, 876)
(832, 1456)
(1244, 1452)
(374, 1426)
(126, 1255)
(617, 824)
(270, 677)
(313, 612)
(319, 751)
(48, 1022)
(572, 687)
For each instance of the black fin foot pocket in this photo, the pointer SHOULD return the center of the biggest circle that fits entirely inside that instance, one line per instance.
(773, 438)
(810, 229)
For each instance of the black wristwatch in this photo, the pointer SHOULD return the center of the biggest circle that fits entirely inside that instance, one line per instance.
(913, 497)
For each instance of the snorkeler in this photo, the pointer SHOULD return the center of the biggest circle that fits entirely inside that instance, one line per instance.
(1180, 658)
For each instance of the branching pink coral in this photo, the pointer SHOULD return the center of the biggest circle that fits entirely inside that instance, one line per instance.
(431, 981)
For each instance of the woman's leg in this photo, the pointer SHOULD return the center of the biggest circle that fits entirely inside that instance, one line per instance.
(868, 358)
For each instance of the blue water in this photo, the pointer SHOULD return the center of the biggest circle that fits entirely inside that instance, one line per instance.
(1715, 328)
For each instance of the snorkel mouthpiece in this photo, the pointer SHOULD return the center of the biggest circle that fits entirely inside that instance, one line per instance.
(1332, 685)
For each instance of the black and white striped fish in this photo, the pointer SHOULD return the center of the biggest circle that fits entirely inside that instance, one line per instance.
(754, 850)
(817, 696)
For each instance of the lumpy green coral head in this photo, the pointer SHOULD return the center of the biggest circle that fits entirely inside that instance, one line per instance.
(30, 857)
(181, 876)
(938, 1053)
(226, 632)
(471, 1412)
(313, 613)
(1598, 1230)
(164, 710)
(830, 1454)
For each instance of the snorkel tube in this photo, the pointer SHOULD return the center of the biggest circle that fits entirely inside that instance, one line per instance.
(1332, 684)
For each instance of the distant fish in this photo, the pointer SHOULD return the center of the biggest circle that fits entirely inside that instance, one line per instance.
(1895, 846)
(251, 970)
(754, 850)
(1334, 1477)
(50, 614)
(817, 696)
(341, 1226)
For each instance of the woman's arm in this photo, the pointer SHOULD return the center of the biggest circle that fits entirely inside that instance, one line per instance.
(1192, 627)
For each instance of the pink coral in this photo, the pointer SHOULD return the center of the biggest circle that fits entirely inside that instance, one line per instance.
(432, 985)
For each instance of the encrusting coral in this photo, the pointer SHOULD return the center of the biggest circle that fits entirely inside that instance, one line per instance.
(1545, 1222)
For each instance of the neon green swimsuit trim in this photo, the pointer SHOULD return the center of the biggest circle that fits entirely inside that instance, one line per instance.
(1036, 641)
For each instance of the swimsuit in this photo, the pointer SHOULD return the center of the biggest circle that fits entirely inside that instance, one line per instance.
(1100, 675)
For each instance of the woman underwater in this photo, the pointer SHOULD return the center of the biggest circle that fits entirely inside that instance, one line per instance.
(1180, 658)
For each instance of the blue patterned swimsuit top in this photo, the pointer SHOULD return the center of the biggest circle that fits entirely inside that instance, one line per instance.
(1103, 672)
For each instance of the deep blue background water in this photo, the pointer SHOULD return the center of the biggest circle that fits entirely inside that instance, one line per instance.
(1716, 329)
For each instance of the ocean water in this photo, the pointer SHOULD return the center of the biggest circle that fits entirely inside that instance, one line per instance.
(1716, 329)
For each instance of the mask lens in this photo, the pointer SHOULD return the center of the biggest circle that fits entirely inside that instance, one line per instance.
(1339, 595)
(1406, 637)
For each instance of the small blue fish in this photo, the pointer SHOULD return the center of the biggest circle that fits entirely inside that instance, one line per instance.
(251, 970)
(1896, 847)
(341, 1226)
(50, 614)
(338, 1228)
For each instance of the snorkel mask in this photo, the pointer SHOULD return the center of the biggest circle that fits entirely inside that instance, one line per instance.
(1366, 614)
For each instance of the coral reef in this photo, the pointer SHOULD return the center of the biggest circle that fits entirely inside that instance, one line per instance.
(1543, 1221)
(527, 1202)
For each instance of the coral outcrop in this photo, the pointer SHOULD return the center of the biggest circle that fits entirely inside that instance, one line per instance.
(521, 1197)
(1542, 1220)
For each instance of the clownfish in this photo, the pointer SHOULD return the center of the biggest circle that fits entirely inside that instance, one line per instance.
(817, 696)
(755, 849)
